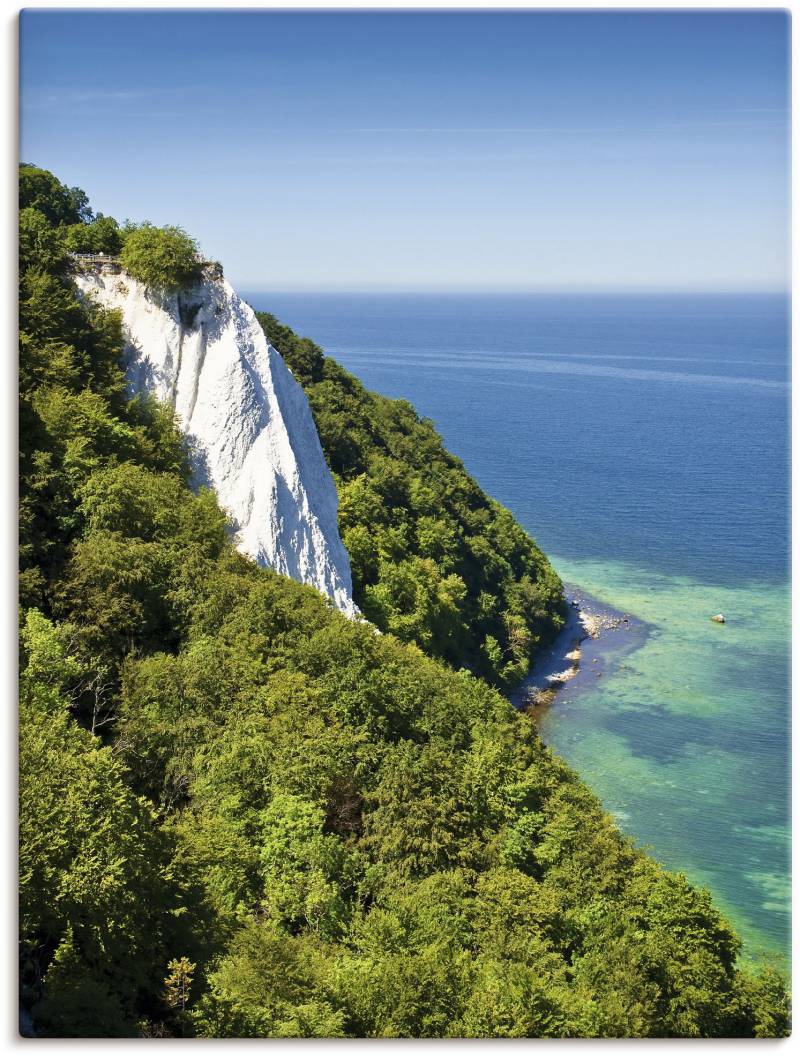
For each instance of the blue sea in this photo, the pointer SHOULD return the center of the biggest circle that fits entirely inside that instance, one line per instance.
(644, 442)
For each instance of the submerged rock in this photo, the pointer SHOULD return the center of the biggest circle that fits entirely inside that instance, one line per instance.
(250, 428)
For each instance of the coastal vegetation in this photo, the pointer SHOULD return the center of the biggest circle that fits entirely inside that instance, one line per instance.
(160, 257)
(163, 257)
(244, 815)
(100, 235)
(434, 560)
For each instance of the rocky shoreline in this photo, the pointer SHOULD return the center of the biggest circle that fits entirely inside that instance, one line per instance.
(591, 628)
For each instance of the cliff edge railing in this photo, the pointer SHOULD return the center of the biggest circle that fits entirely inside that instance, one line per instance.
(114, 263)
(95, 258)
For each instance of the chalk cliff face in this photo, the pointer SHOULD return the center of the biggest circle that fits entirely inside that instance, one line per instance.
(250, 428)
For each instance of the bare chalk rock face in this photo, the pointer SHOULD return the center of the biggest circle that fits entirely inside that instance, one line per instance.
(250, 428)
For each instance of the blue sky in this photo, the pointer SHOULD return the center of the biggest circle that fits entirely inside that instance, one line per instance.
(429, 151)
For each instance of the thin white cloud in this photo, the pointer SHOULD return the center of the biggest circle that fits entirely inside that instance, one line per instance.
(56, 100)
(655, 126)
(602, 130)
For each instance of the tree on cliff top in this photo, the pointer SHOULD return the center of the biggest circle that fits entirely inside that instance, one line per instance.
(40, 189)
(160, 256)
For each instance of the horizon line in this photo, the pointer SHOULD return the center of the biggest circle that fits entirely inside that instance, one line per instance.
(540, 291)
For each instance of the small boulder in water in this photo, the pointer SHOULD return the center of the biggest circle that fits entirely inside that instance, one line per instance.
(719, 618)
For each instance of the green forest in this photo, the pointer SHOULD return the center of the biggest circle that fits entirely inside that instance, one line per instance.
(243, 814)
(434, 560)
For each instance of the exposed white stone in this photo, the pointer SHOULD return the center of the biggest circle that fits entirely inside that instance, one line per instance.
(250, 427)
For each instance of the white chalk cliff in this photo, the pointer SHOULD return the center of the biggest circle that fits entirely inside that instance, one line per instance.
(250, 427)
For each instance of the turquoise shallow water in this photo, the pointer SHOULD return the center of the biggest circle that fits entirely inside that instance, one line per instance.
(644, 442)
(678, 736)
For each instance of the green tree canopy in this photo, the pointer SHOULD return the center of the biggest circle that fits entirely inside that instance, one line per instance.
(41, 190)
(163, 257)
(435, 561)
(102, 235)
